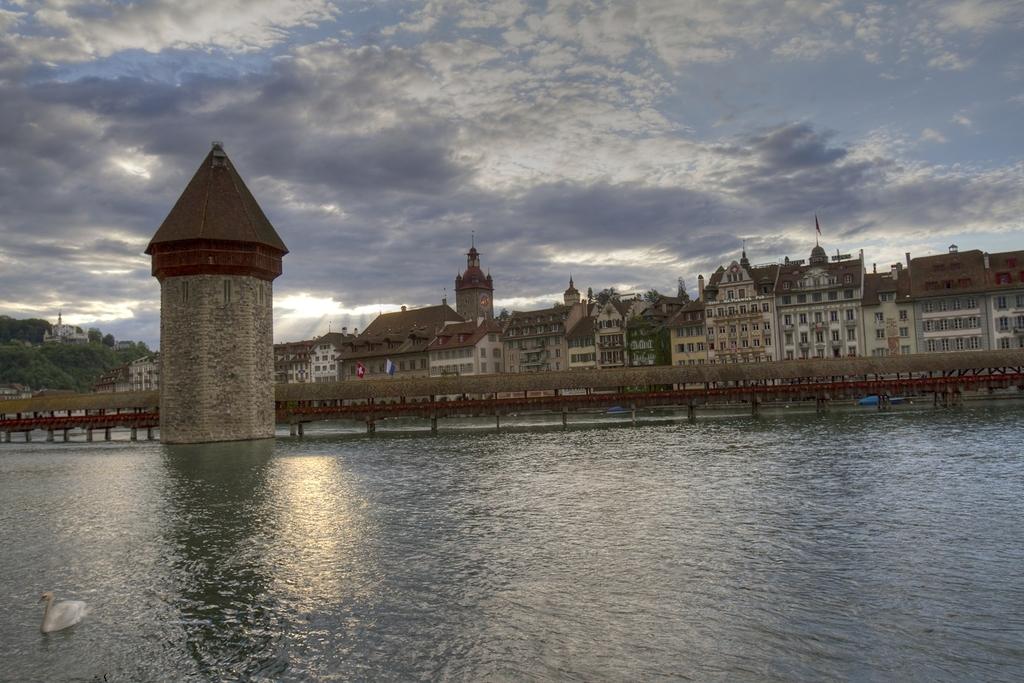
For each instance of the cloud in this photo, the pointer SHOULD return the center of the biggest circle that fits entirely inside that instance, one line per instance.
(978, 15)
(573, 137)
(76, 30)
(962, 120)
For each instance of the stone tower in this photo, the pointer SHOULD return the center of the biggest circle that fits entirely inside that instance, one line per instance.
(571, 296)
(216, 256)
(474, 291)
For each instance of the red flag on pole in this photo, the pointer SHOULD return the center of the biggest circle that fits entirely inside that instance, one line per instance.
(816, 226)
(360, 370)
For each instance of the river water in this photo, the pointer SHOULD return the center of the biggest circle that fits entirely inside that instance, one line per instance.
(855, 545)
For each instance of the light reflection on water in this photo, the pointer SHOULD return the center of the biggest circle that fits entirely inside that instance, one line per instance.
(794, 547)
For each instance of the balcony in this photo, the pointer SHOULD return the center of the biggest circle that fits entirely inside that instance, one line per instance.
(805, 345)
(850, 323)
(787, 328)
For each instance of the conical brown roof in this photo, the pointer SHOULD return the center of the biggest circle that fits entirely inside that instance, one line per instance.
(216, 205)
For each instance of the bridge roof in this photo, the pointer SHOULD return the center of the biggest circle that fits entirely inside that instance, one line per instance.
(570, 379)
(650, 375)
(59, 402)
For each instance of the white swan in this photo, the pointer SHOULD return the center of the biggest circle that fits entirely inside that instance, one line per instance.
(61, 615)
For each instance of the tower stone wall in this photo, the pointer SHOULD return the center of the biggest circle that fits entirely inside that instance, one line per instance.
(216, 256)
(217, 359)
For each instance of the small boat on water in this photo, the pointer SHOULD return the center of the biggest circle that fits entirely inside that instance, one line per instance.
(872, 400)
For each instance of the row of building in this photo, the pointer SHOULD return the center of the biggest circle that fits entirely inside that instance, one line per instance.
(142, 374)
(821, 307)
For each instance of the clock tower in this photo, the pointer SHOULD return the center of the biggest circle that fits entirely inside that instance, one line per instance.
(474, 291)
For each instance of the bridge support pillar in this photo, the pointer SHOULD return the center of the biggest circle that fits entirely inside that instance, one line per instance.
(755, 407)
(497, 422)
(302, 430)
(371, 427)
(106, 433)
(632, 414)
(821, 405)
(66, 435)
(49, 436)
(433, 424)
(691, 411)
(291, 429)
(88, 433)
(28, 436)
(135, 434)
(7, 437)
(565, 419)
(149, 433)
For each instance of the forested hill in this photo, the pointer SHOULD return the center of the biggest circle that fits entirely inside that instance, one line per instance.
(56, 366)
(30, 330)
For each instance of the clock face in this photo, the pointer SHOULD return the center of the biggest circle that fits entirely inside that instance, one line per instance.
(484, 299)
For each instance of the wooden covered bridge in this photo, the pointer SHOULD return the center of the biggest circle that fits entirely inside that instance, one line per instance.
(943, 377)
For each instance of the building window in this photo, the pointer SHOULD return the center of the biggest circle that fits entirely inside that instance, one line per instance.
(1000, 302)
(880, 333)
(879, 317)
(227, 291)
(184, 292)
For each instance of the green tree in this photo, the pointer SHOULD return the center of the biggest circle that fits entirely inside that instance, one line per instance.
(681, 292)
(651, 296)
(30, 330)
(108, 340)
(95, 336)
(608, 294)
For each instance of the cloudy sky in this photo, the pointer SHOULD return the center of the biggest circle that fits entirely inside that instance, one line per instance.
(631, 143)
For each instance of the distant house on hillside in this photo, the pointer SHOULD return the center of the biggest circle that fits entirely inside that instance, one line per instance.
(65, 334)
(10, 392)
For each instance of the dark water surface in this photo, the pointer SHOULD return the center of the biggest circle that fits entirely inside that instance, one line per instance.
(858, 546)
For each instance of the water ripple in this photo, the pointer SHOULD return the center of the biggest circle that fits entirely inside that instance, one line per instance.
(794, 547)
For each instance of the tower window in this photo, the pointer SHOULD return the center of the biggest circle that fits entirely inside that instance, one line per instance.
(227, 291)
(184, 292)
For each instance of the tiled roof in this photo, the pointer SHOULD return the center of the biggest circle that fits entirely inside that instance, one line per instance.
(426, 320)
(679, 318)
(584, 327)
(216, 205)
(401, 332)
(1006, 269)
(955, 272)
(470, 333)
(874, 283)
